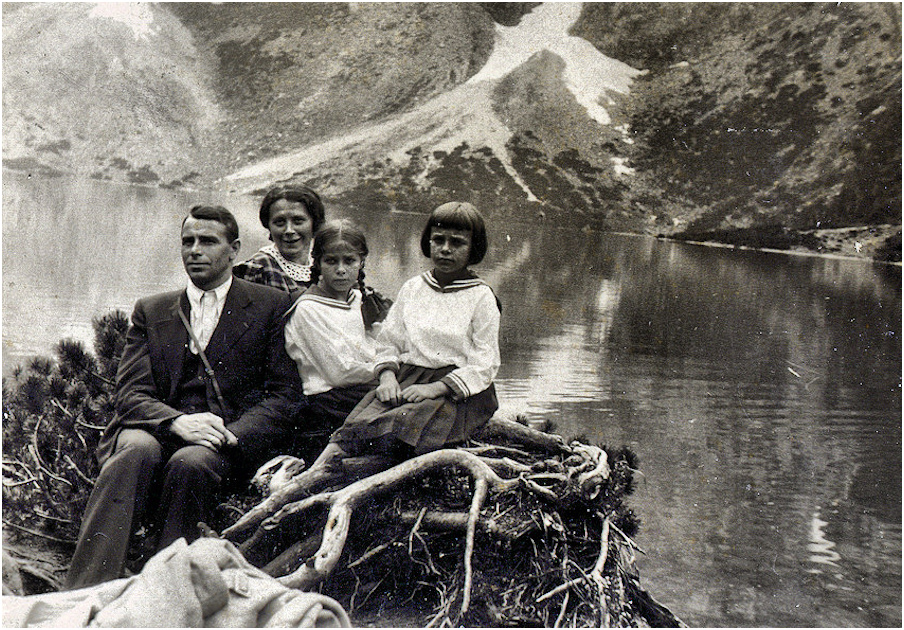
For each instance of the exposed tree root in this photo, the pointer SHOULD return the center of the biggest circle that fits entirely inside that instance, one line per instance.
(529, 531)
(596, 574)
(287, 489)
(342, 503)
(301, 485)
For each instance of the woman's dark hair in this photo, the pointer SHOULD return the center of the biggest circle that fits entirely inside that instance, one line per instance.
(458, 215)
(218, 214)
(337, 231)
(300, 194)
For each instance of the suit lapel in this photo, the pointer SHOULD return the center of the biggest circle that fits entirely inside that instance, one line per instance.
(232, 325)
(174, 353)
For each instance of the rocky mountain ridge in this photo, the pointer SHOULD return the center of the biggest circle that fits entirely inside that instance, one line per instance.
(785, 116)
(753, 124)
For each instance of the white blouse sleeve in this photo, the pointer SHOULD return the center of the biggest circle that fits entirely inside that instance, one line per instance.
(391, 337)
(482, 351)
(292, 332)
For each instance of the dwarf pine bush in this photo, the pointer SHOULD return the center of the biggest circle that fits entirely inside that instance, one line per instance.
(54, 411)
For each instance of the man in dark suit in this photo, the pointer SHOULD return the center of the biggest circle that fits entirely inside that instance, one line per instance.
(181, 433)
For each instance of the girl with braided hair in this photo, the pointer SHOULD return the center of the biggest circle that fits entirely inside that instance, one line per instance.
(326, 333)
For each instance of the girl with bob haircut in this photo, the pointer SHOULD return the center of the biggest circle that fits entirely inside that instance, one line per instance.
(326, 333)
(437, 351)
(460, 216)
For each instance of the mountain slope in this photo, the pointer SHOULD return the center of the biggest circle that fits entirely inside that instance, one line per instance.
(515, 138)
(766, 116)
(291, 74)
(153, 92)
(114, 94)
(762, 124)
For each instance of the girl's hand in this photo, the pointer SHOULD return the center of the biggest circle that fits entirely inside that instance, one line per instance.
(389, 391)
(417, 393)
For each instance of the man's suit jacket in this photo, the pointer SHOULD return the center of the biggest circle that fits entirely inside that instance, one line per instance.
(247, 352)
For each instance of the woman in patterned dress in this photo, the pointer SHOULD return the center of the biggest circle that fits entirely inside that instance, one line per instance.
(292, 214)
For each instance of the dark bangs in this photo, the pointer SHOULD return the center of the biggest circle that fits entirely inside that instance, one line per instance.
(457, 215)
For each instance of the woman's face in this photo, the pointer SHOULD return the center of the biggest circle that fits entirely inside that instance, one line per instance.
(291, 230)
(450, 249)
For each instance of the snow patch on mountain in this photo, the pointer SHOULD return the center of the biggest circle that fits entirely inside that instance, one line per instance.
(137, 16)
(589, 74)
(619, 165)
(465, 114)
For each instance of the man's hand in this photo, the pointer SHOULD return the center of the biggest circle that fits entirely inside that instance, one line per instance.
(389, 391)
(204, 429)
(417, 393)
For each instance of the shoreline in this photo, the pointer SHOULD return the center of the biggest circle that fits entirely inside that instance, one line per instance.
(841, 243)
(788, 252)
(887, 230)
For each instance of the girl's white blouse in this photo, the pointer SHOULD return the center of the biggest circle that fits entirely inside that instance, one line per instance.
(433, 327)
(327, 340)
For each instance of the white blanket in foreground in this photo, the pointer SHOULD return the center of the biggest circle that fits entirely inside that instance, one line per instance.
(207, 584)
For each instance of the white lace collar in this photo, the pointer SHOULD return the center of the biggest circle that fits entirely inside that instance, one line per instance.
(296, 271)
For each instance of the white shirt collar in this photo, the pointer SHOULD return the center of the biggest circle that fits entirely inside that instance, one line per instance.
(194, 294)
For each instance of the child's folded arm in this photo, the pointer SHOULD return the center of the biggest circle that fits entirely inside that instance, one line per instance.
(483, 360)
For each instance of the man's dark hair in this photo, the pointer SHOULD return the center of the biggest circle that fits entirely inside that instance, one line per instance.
(218, 214)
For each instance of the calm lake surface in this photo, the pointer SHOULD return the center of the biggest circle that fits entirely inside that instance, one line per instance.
(761, 392)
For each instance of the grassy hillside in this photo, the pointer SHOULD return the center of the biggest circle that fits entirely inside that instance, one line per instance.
(289, 74)
(760, 119)
(567, 168)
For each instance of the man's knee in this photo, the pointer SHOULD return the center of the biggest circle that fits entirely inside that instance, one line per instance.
(135, 448)
(196, 461)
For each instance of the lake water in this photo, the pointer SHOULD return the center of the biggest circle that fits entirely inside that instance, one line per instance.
(761, 392)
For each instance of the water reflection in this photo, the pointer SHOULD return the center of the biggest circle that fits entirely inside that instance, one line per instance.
(75, 250)
(761, 392)
(822, 551)
(754, 395)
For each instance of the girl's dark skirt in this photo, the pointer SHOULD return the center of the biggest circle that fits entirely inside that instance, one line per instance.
(425, 426)
(323, 413)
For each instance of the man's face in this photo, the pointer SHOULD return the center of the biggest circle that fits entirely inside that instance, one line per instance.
(207, 253)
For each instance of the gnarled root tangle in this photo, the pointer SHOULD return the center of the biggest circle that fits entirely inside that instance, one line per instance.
(523, 531)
